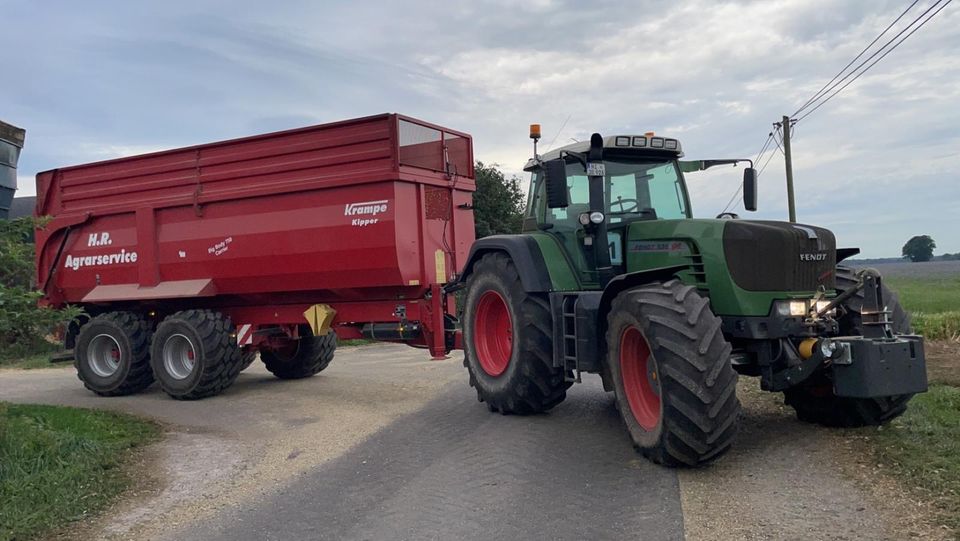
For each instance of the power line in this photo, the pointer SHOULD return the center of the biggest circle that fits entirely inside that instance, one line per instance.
(554, 140)
(837, 83)
(780, 141)
(890, 50)
(765, 164)
(839, 73)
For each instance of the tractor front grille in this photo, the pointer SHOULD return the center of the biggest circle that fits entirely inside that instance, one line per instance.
(780, 256)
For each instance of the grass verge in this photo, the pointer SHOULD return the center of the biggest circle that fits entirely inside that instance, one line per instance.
(927, 294)
(37, 356)
(60, 464)
(922, 448)
(938, 326)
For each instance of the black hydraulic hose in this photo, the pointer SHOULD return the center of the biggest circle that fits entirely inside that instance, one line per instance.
(839, 299)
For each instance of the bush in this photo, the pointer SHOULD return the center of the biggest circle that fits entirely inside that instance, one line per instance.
(24, 326)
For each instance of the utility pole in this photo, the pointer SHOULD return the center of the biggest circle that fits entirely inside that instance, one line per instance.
(788, 160)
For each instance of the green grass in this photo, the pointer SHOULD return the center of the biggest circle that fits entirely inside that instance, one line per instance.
(34, 356)
(933, 301)
(923, 448)
(942, 326)
(929, 295)
(37, 360)
(61, 464)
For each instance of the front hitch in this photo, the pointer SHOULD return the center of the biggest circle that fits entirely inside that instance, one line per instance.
(878, 363)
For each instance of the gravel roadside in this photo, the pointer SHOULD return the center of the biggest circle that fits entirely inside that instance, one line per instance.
(790, 480)
(258, 435)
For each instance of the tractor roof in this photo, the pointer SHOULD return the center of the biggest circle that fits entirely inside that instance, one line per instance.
(647, 143)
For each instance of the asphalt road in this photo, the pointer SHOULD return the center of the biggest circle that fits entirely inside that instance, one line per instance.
(454, 471)
(386, 444)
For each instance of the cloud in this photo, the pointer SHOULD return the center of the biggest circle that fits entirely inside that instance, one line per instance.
(876, 163)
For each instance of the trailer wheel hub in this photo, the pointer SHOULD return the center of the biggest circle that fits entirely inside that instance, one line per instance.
(179, 356)
(104, 355)
(493, 333)
(640, 381)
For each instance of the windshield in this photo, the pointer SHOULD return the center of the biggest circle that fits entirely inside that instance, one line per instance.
(632, 188)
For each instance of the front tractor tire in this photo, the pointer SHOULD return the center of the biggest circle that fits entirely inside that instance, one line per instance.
(302, 358)
(112, 354)
(670, 365)
(814, 400)
(508, 345)
(195, 355)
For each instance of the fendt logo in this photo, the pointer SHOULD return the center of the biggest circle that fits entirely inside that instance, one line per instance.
(365, 208)
(822, 256)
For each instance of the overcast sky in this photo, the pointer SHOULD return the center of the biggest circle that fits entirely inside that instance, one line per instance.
(878, 164)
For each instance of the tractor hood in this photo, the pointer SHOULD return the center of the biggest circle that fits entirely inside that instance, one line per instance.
(779, 256)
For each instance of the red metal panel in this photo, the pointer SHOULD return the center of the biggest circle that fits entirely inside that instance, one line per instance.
(167, 290)
(319, 214)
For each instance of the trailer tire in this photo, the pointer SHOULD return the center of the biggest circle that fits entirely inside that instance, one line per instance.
(311, 356)
(122, 366)
(249, 355)
(508, 343)
(194, 354)
(670, 365)
(814, 400)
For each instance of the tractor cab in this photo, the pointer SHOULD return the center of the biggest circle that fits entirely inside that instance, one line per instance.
(597, 189)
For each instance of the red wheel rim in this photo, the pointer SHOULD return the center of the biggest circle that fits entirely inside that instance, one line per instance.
(493, 333)
(640, 379)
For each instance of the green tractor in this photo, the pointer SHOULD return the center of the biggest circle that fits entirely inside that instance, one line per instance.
(612, 275)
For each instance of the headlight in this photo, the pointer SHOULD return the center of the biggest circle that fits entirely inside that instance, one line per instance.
(823, 304)
(596, 217)
(792, 308)
(801, 307)
(827, 348)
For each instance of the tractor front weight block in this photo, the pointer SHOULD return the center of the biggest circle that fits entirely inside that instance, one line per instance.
(873, 368)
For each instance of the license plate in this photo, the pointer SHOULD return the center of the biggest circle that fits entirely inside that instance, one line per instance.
(596, 169)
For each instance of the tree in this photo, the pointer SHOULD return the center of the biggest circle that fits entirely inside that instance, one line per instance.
(497, 203)
(23, 325)
(919, 248)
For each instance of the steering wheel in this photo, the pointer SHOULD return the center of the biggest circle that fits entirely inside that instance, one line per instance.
(728, 216)
(623, 209)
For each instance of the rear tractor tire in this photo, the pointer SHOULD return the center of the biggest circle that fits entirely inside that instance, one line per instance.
(670, 365)
(112, 354)
(814, 400)
(194, 354)
(508, 341)
(303, 358)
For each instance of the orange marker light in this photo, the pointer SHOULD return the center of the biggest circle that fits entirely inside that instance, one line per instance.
(534, 131)
(649, 134)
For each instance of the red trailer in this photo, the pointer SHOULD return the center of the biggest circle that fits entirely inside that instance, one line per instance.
(190, 261)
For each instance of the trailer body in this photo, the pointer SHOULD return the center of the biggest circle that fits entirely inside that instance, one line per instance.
(366, 218)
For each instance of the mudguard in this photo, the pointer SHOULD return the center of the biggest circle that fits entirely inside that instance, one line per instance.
(633, 279)
(525, 253)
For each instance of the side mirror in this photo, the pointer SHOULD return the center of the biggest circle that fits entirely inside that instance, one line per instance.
(555, 173)
(750, 189)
